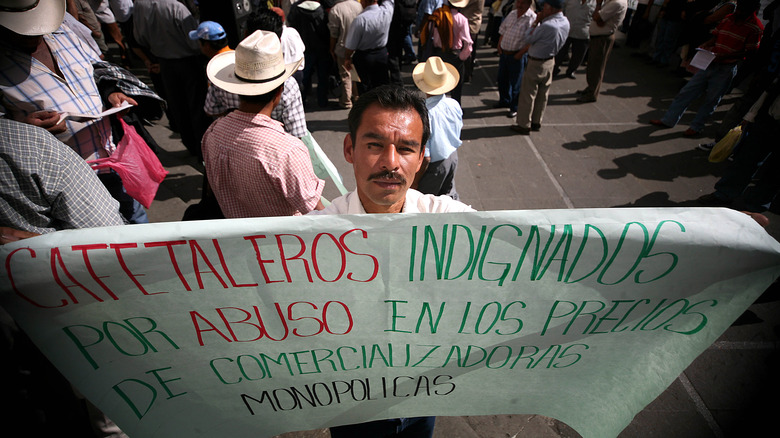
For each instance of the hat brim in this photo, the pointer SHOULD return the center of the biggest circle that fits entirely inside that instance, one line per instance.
(221, 73)
(418, 75)
(43, 19)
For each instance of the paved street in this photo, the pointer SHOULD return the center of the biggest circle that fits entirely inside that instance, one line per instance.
(602, 154)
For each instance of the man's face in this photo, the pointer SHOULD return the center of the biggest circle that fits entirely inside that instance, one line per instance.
(523, 6)
(385, 155)
(23, 43)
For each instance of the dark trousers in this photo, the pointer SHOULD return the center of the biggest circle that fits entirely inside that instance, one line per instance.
(419, 427)
(510, 74)
(579, 48)
(317, 61)
(185, 92)
(451, 57)
(371, 66)
(753, 150)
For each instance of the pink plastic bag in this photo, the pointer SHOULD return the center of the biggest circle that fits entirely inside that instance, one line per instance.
(139, 168)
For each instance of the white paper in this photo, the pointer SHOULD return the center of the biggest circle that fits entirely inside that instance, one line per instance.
(702, 59)
(87, 117)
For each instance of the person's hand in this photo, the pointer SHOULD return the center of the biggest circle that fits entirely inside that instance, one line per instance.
(46, 119)
(117, 99)
(348, 64)
(759, 218)
(8, 235)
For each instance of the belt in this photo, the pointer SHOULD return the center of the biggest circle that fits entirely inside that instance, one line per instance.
(539, 59)
(601, 36)
(509, 52)
(376, 49)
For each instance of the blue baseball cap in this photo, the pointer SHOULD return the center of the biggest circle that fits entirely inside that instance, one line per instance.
(209, 31)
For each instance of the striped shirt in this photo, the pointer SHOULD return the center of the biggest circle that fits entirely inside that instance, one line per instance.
(27, 86)
(256, 169)
(732, 36)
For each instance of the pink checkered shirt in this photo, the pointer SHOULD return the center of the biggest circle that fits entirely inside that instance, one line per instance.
(256, 169)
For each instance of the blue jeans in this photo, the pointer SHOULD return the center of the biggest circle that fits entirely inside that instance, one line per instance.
(713, 82)
(510, 73)
(417, 427)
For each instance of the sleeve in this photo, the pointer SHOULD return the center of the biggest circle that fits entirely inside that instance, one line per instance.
(333, 24)
(354, 34)
(610, 10)
(293, 116)
(300, 185)
(77, 197)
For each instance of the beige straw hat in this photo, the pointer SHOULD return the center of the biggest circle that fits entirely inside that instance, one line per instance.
(255, 67)
(32, 17)
(435, 76)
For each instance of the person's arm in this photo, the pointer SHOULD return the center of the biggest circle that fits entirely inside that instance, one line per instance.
(348, 59)
(8, 235)
(719, 14)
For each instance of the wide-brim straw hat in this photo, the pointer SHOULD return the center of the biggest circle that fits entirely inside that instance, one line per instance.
(435, 76)
(32, 17)
(255, 67)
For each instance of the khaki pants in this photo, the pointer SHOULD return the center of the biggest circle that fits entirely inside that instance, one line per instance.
(598, 53)
(348, 88)
(533, 92)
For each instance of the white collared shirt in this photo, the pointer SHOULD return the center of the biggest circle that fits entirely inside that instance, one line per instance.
(415, 202)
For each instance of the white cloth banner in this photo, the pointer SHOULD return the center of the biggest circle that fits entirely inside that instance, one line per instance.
(247, 328)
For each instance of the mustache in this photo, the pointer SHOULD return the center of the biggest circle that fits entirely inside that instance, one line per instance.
(389, 175)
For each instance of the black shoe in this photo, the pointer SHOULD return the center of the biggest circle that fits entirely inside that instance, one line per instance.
(536, 126)
(519, 129)
(511, 114)
(571, 76)
(713, 200)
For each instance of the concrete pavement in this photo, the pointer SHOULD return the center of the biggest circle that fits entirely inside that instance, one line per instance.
(601, 154)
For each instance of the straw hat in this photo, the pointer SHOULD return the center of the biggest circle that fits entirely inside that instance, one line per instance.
(255, 67)
(32, 17)
(459, 3)
(435, 76)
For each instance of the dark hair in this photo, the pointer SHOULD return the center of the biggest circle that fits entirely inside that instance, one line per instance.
(261, 99)
(390, 97)
(264, 19)
(216, 45)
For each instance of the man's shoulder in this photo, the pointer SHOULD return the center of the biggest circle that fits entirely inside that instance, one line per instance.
(426, 203)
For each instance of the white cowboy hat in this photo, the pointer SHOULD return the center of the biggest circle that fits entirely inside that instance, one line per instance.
(459, 3)
(435, 76)
(32, 17)
(255, 67)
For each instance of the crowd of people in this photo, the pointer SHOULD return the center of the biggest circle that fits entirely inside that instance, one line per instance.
(241, 107)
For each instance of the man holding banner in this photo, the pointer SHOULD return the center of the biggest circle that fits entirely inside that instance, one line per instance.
(388, 130)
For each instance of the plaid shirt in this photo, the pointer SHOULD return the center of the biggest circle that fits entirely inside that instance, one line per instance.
(256, 169)
(289, 111)
(27, 85)
(46, 186)
(513, 29)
